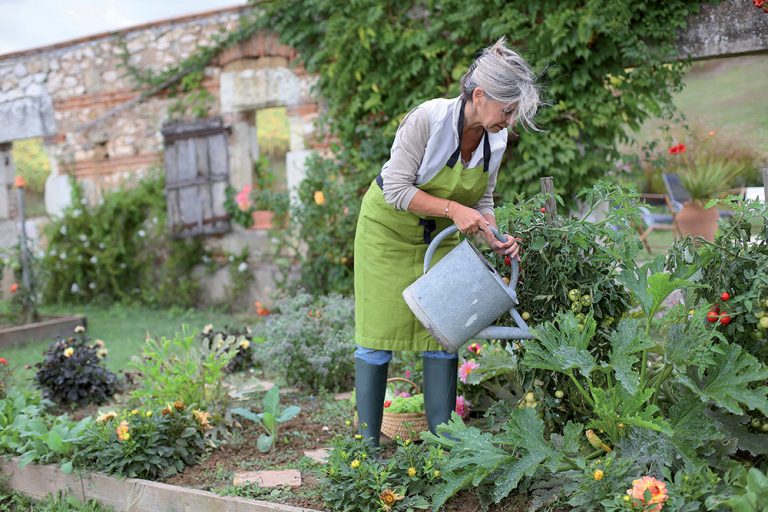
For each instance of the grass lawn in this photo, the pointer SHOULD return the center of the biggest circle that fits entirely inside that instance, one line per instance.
(123, 329)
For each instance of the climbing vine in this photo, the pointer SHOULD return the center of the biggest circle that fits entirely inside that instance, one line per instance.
(604, 66)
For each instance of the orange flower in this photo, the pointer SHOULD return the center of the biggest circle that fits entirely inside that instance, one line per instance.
(19, 182)
(3, 361)
(122, 431)
(319, 197)
(598, 474)
(388, 498)
(260, 309)
(712, 133)
(657, 488)
(202, 419)
(179, 405)
(14, 287)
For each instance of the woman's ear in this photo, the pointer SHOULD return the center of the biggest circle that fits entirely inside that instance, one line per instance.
(477, 94)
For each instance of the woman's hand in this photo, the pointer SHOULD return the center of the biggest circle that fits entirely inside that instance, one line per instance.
(509, 248)
(468, 220)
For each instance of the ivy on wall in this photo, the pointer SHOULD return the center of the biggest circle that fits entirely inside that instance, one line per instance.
(604, 65)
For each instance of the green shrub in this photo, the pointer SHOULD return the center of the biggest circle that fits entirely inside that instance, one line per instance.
(147, 443)
(73, 372)
(187, 368)
(119, 250)
(243, 348)
(311, 341)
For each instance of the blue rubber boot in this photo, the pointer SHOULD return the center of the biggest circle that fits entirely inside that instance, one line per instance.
(439, 390)
(370, 387)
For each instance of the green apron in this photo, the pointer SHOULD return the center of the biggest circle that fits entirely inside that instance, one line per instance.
(389, 254)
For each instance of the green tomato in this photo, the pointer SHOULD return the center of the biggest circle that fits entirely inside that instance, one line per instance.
(575, 307)
(530, 397)
(586, 300)
(759, 314)
(559, 393)
(764, 322)
(765, 303)
(764, 427)
(574, 295)
(526, 315)
(755, 423)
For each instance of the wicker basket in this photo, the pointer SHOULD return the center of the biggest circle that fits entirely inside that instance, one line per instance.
(406, 425)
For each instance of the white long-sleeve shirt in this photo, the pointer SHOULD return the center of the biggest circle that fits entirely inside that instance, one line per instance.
(425, 140)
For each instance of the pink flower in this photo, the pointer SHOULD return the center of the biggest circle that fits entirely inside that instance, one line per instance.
(407, 374)
(657, 488)
(466, 368)
(404, 394)
(475, 347)
(462, 406)
(243, 198)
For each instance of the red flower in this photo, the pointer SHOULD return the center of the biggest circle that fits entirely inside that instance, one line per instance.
(508, 260)
(758, 3)
(14, 287)
(3, 361)
(674, 150)
(543, 210)
(387, 403)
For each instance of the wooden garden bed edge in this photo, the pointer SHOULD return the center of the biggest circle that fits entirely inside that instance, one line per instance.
(126, 494)
(37, 331)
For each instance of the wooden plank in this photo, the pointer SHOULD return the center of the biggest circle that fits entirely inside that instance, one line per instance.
(190, 127)
(170, 155)
(128, 495)
(548, 189)
(46, 329)
(219, 154)
(186, 159)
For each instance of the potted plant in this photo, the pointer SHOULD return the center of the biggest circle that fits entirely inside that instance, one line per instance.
(255, 206)
(705, 178)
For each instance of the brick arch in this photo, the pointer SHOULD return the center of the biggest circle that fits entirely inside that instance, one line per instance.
(260, 44)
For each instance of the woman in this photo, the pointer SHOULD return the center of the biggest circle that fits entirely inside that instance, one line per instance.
(442, 171)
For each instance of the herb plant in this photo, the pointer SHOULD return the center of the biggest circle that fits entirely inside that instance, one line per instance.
(270, 418)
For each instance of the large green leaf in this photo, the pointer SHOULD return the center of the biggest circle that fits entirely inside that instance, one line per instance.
(264, 443)
(563, 347)
(271, 400)
(692, 427)
(650, 284)
(627, 340)
(735, 379)
(616, 405)
(289, 413)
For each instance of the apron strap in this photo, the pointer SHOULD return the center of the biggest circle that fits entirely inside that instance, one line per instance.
(429, 227)
(486, 144)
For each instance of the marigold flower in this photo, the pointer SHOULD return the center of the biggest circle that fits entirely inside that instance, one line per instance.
(178, 405)
(105, 417)
(598, 474)
(355, 464)
(122, 431)
(3, 361)
(168, 409)
(411, 471)
(134, 412)
(466, 368)
(260, 309)
(69, 351)
(245, 344)
(657, 488)
(475, 348)
(319, 197)
(202, 418)
(148, 414)
(79, 329)
(388, 498)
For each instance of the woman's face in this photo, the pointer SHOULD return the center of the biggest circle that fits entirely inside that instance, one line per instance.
(493, 115)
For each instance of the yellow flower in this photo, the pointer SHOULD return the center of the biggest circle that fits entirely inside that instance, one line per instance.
(168, 409)
(134, 412)
(148, 414)
(245, 344)
(202, 418)
(355, 464)
(319, 197)
(388, 498)
(105, 417)
(599, 474)
(411, 471)
(69, 351)
(102, 353)
(99, 343)
(207, 329)
(348, 423)
(79, 328)
(437, 473)
(407, 442)
(358, 436)
(122, 431)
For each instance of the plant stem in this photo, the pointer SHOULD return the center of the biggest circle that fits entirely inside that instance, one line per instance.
(581, 390)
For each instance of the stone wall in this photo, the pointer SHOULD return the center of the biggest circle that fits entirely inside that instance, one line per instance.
(79, 98)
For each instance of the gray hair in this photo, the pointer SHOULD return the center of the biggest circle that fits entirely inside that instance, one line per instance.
(505, 77)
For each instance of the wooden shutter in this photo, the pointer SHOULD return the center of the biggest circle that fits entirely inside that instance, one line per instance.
(196, 177)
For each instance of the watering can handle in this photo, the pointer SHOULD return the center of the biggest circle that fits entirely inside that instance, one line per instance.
(453, 229)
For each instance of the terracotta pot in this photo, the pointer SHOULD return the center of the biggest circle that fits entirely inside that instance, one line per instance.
(262, 219)
(694, 220)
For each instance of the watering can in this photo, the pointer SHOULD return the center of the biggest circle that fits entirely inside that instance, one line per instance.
(462, 295)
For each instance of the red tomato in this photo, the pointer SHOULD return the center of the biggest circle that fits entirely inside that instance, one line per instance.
(725, 296)
(543, 210)
(725, 319)
(712, 316)
(508, 260)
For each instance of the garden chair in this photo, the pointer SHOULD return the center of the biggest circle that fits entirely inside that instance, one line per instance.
(652, 221)
(678, 195)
